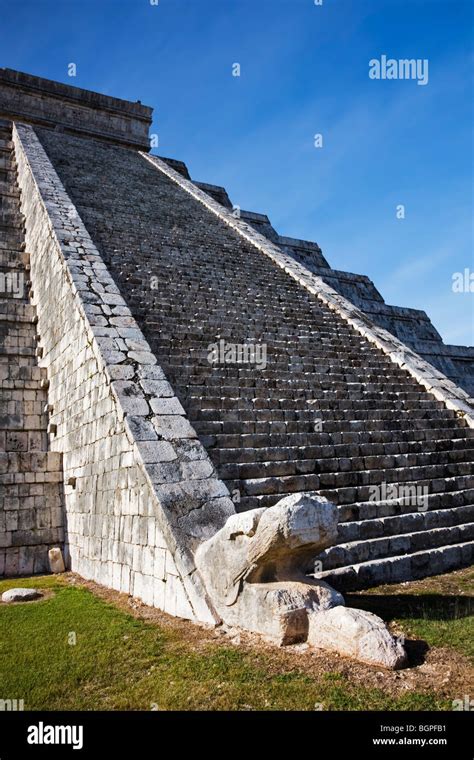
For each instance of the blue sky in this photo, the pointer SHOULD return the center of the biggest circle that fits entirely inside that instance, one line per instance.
(304, 70)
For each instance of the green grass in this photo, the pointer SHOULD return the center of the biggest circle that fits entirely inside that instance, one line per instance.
(440, 619)
(120, 663)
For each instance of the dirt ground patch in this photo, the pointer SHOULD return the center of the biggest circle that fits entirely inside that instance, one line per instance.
(440, 669)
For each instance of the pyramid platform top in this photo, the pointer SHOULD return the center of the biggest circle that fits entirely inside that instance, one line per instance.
(43, 102)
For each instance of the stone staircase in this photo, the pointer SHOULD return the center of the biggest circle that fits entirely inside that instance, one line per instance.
(31, 518)
(329, 412)
(412, 326)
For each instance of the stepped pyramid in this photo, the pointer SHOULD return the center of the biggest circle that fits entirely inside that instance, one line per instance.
(146, 286)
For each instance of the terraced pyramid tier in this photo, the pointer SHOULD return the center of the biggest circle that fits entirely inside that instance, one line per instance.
(31, 517)
(320, 409)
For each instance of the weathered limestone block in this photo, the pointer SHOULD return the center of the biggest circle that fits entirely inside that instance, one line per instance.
(356, 633)
(280, 610)
(21, 595)
(56, 561)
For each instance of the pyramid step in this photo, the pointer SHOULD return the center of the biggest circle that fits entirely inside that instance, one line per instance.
(402, 502)
(24, 396)
(241, 455)
(7, 161)
(287, 375)
(398, 464)
(407, 522)
(17, 331)
(354, 502)
(14, 289)
(217, 378)
(401, 568)
(332, 423)
(15, 310)
(26, 461)
(17, 420)
(12, 349)
(18, 260)
(16, 478)
(11, 237)
(20, 361)
(8, 175)
(228, 440)
(291, 387)
(20, 375)
(12, 245)
(9, 189)
(329, 387)
(9, 204)
(365, 550)
(282, 369)
(276, 349)
(200, 335)
(28, 403)
(326, 355)
(223, 403)
(12, 218)
(279, 411)
(33, 441)
(361, 482)
(364, 493)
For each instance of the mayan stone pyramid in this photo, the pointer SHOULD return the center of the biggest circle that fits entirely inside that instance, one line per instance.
(171, 369)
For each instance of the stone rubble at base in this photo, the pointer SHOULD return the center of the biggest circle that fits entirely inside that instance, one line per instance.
(21, 595)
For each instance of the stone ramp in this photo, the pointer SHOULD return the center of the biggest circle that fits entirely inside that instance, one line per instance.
(328, 412)
(31, 515)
